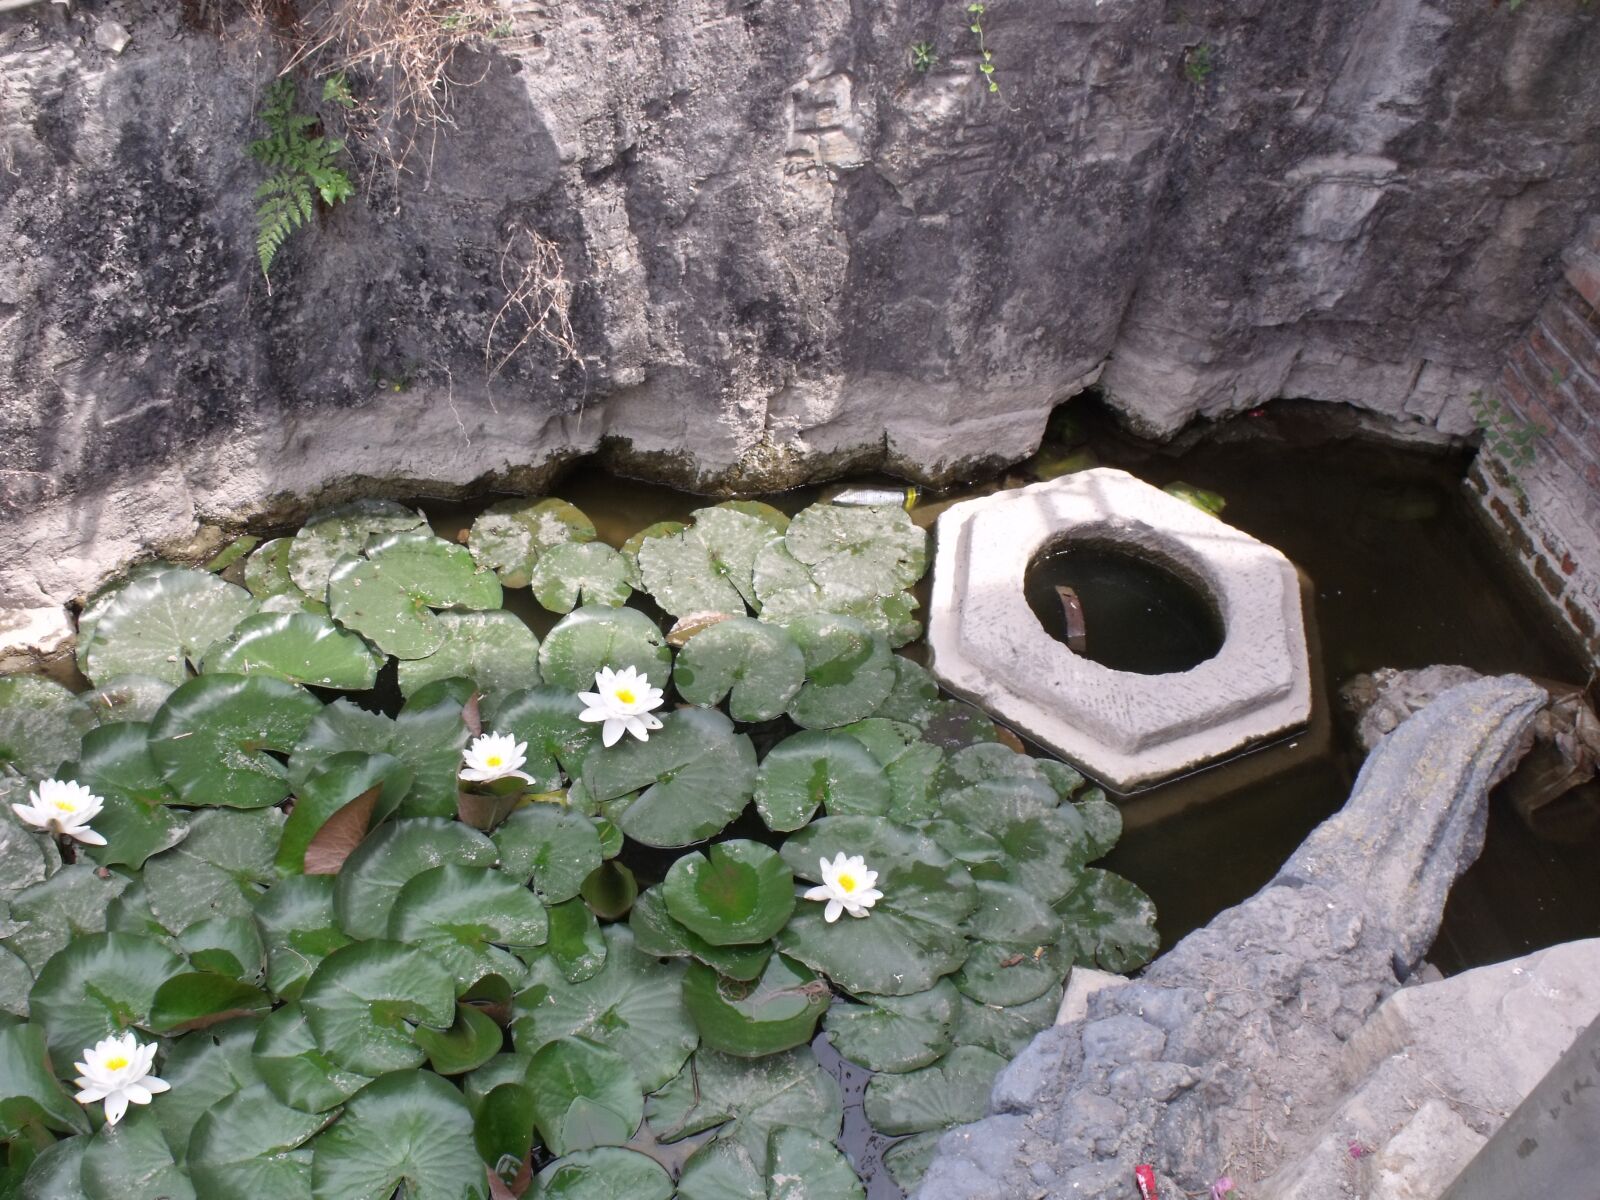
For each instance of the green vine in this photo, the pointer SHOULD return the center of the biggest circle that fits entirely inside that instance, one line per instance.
(986, 67)
(300, 165)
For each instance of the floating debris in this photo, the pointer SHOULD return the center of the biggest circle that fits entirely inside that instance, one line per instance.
(876, 497)
(1206, 502)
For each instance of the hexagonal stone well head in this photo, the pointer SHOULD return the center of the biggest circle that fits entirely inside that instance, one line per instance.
(1125, 729)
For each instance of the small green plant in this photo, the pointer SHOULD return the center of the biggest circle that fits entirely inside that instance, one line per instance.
(300, 164)
(1505, 435)
(986, 66)
(1197, 64)
(922, 57)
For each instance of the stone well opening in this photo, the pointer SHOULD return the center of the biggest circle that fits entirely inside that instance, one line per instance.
(1126, 611)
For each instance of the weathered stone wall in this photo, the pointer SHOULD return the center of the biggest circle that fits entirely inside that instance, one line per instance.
(794, 254)
(1547, 509)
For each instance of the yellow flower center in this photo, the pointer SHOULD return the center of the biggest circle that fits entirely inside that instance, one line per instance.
(625, 695)
(493, 760)
(66, 806)
(847, 883)
(115, 1064)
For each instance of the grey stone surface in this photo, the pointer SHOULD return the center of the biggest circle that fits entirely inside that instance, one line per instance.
(1236, 1036)
(1125, 729)
(793, 255)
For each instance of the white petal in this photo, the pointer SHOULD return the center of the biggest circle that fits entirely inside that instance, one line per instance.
(116, 1105)
(638, 728)
(650, 720)
(88, 836)
(821, 892)
(612, 733)
(90, 1094)
(591, 698)
(858, 911)
(478, 775)
(137, 1093)
(832, 912)
(153, 1084)
(869, 897)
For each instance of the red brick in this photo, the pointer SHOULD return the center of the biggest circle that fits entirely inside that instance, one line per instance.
(1583, 273)
(1513, 388)
(1577, 341)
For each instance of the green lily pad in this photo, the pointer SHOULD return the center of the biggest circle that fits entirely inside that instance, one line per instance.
(429, 735)
(230, 946)
(1006, 975)
(911, 937)
(300, 930)
(218, 870)
(391, 856)
(575, 945)
(549, 848)
(494, 649)
(878, 550)
(299, 647)
(339, 801)
(1009, 914)
(468, 918)
(470, 1042)
(849, 671)
(161, 622)
(204, 1069)
(633, 1005)
(362, 1001)
(630, 548)
(502, 1126)
(340, 727)
(1110, 923)
(286, 1055)
(57, 1172)
(748, 1098)
(953, 1091)
(708, 567)
(212, 736)
(1067, 780)
(72, 902)
(29, 1091)
(389, 596)
(115, 764)
(266, 571)
(914, 695)
(40, 724)
(909, 1158)
(583, 1096)
(610, 890)
(737, 893)
(895, 1034)
(1102, 822)
(337, 532)
(819, 769)
(953, 724)
(196, 999)
(590, 570)
(132, 1161)
(546, 719)
(803, 1166)
(659, 935)
(721, 1170)
(696, 772)
(410, 1129)
(510, 537)
(16, 981)
(127, 698)
(776, 1012)
(103, 983)
(249, 1145)
(595, 636)
(757, 666)
(611, 839)
(23, 859)
(1004, 1030)
(604, 1173)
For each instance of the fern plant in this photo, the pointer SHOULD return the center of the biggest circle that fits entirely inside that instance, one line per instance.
(301, 166)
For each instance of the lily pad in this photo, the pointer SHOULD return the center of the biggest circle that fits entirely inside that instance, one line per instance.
(872, 549)
(583, 1096)
(196, 999)
(757, 666)
(407, 1130)
(163, 621)
(1109, 922)
(1006, 1030)
(592, 571)
(659, 935)
(575, 945)
(1102, 822)
(212, 736)
(630, 548)
(339, 801)
(708, 566)
(633, 1005)
(72, 902)
(204, 1069)
(286, 1055)
(266, 571)
(470, 1042)
(40, 724)
(911, 937)
(363, 1000)
(803, 1166)
(16, 981)
(737, 893)
(819, 769)
(776, 1012)
(101, 984)
(1012, 915)
(299, 928)
(132, 1161)
(29, 1091)
(913, 696)
(894, 1034)
(468, 918)
(127, 698)
(298, 648)
(115, 764)
(951, 1092)
(509, 537)
(389, 596)
(546, 719)
(595, 636)
(230, 946)
(909, 1158)
(392, 855)
(748, 1098)
(57, 1172)
(494, 649)
(337, 532)
(604, 1173)
(23, 860)
(549, 848)
(218, 870)
(849, 671)
(696, 772)
(248, 1145)
(429, 735)
(1007, 976)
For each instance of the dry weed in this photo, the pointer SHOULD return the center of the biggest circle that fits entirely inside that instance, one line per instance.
(538, 300)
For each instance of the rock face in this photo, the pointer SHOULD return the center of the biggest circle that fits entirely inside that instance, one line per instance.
(1226, 1054)
(791, 252)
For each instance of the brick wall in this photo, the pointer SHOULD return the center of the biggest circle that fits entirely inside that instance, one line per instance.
(1548, 508)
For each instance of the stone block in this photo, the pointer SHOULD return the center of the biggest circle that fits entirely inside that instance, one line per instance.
(1422, 1159)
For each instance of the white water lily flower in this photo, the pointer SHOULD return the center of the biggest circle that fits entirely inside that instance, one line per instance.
(495, 756)
(117, 1070)
(62, 807)
(847, 886)
(623, 700)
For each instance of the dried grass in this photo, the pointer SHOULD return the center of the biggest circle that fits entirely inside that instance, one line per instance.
(538, 300)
